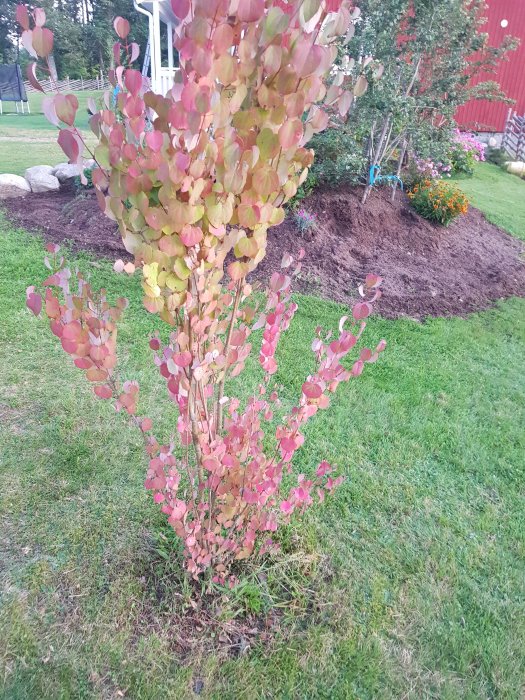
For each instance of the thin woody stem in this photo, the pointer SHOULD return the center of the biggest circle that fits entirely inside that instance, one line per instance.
(220, 396)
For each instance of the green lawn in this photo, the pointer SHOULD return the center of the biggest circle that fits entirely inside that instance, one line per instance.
(29, 139)
(500, 196)
(408, 583)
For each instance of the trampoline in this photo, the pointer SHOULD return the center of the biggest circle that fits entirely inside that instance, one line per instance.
(12, 87)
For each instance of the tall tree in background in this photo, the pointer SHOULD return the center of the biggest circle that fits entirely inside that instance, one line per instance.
(430, 51)
(83, 33)
(8, 31)
(100, 29)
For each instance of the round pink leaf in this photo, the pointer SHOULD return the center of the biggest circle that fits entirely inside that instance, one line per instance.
(180, 8)
(190, 235)
(361, 311)
(312, 390)
(103, 391)
(250, 10)
(22, 16)
(69, 144)
(121, 27)
(42, 41)
(40, 16)
(34, 302)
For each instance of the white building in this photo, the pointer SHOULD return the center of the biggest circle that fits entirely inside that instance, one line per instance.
(159, 13)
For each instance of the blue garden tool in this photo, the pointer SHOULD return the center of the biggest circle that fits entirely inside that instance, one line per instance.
(375, 177)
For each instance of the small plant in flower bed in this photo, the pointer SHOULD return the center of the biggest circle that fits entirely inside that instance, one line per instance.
(195, 178)
(439, 201)
(467, 150)
(86, 182)
(426, 169)
(305, 221)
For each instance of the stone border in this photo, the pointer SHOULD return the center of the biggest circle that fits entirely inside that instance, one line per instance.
(39, 178)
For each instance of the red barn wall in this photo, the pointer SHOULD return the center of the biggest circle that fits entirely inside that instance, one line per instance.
(482, 115)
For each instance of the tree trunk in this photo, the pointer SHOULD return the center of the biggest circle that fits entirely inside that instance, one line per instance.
(399, 166)
(52, 68)
(377, 154)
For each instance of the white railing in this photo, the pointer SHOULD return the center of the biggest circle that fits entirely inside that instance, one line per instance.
(164, 80)
(98, 83)
(161, 84)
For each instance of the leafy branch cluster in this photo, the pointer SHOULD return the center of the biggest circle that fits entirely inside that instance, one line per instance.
(194, 179)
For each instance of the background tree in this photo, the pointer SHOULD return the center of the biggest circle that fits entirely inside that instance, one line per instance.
(8, 31)
(83, 34)
(429, 51)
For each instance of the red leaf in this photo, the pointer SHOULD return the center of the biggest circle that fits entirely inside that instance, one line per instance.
(183, 359)
(311, 390)
(361, 311)
(22, 16)
(40, 16)
(121, 27)
(31, 76)
(66, 108)
(96, 375)
(34, 302)
(290, 133)
(365, 354)
(27, 42)
(279, 282)
(287, 507)
(48, 107)
(135, 52)
(155, 139)
(373, 281)
(357, 368)
(146, 425)
(250, 10)
(103, 391)
(323, 468)
(69, 144)
(83, 363)
(116, 52)
(42, 41)
(70, 346)
(288, 444)
(190, 235)
(180, 8)
(133, 81)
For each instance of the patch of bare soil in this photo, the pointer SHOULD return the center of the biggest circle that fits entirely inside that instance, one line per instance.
(428, 269)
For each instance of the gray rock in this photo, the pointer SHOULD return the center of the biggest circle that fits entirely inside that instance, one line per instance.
(40, 179)
(65, 171)
(13, 186)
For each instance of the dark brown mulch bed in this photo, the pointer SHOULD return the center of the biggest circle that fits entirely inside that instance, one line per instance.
(428, 269)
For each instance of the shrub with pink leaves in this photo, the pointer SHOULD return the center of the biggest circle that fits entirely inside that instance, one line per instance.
(195, 179)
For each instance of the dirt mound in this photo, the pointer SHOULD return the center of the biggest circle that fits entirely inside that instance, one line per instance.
(428, 269)
(68, 216)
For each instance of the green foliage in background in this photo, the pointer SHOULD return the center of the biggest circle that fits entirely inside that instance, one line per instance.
(83, 34)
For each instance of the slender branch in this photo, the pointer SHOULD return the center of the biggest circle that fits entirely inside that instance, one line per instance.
(218, 427)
